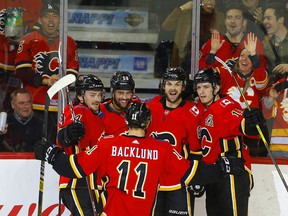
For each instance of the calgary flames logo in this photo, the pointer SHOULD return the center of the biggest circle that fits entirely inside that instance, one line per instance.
(47, 63)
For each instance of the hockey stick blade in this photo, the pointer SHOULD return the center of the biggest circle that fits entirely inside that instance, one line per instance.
(257, 126)
(60, 84)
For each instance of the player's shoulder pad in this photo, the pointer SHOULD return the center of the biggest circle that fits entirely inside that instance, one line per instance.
(153, 99)
(106, 101)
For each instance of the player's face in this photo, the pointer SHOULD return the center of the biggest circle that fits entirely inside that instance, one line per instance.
(245, 65)
(173, 90)
(92, 99)
(22, 105)
(270, 21)
(206, 93)
(50, 23)
(121, 99)
(234, 22)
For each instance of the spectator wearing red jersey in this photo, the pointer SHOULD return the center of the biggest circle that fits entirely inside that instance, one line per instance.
(28, 15)
(228, 46)
(252, 78)
(37, 62)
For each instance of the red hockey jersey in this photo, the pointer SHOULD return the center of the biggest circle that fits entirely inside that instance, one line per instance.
(253, 87)
(40, 53)
(114, 122)
(7, 54)
(179, 126)
(228, 51)
(94, 130)
(220, 131)
(30, 17)
(134, 167)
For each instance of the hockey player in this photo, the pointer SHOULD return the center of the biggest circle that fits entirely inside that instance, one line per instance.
(223, 125)
(79, 130)
(122, 87)
(37, 62)
(135, 164)
(228, 46)
(112, 111)
(176, 120)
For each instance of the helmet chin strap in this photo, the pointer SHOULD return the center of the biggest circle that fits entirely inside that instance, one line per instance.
(214, 94)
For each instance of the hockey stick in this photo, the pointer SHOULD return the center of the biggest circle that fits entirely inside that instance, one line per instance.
(60, 84)
(257, 126)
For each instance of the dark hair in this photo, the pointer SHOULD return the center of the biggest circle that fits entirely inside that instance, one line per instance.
(279, 10)
(20, 91)
(235, 5)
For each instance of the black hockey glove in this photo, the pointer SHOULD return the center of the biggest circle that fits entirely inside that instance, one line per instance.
(197, 190)
(252, 117)
(231, 165)
(45, 151)
(74, 132)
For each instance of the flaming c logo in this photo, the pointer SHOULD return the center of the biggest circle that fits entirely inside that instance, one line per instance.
(47, 63)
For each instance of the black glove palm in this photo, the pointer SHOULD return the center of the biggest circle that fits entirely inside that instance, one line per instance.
(231, 165)
(45, 151)
(253, 117)
(75, 131)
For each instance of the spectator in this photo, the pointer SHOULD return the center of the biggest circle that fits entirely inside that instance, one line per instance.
(254, 15)
(229, 45)
(180, 21)
(222, 127)
(135, 165)
(275, 107)
(252, 79)
(9, 44)
(37, 62)
(24, 127)
(79, 134)
(176, 120)
(275, 22)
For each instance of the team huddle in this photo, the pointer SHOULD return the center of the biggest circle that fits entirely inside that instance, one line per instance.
(156, 163)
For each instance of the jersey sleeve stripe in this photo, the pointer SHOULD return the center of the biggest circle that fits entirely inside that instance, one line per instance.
(74, 167)
(190, 173)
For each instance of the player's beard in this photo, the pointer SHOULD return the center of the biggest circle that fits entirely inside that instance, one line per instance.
(172, 100)
(118, 104)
